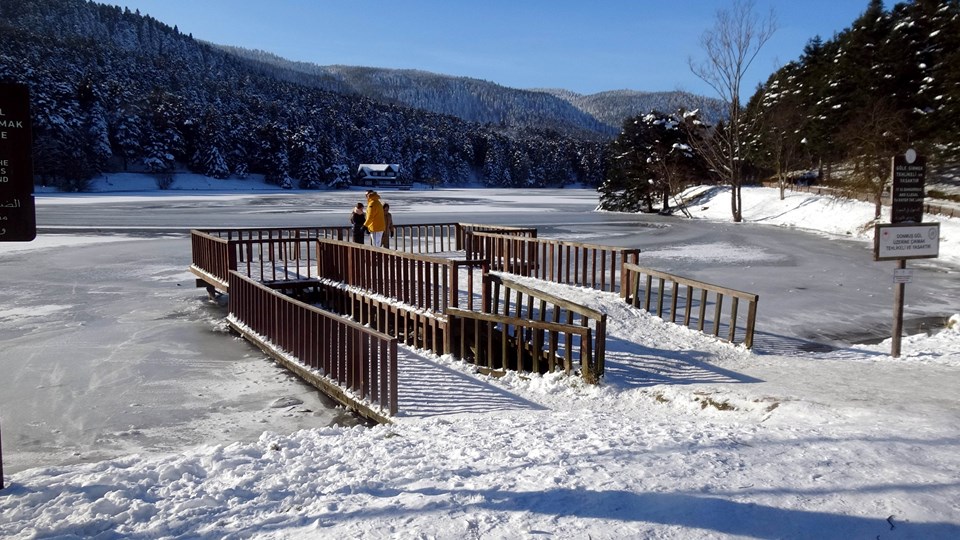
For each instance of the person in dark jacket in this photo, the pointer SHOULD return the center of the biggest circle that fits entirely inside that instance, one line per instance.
(357, 217)
(388, 221)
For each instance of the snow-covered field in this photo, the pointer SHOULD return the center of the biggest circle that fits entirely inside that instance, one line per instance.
(688, 437)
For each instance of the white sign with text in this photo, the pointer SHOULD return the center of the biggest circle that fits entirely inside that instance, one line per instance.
(902, 241)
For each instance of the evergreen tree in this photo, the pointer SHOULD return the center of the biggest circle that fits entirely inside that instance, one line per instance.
(652, 159)
(273, 155)
(208, 155)
(778, 140)
(899, 66)
(162, 140)
(126, 136)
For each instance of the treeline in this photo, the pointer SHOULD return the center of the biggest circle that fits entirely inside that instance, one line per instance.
(114, 90)
(888, 82)
(837, 115)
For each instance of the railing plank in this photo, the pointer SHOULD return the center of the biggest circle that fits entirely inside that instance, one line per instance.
(634, 273)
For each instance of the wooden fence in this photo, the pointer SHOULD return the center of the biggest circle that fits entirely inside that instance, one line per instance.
(496, 344)
(423, 281)
(943, 208)
(443, 237)
(353, 358)
(509, 298)
(468, 229)
(270, 254)
(426, 238)
(639, 289)
(570, 263)
(411, 326)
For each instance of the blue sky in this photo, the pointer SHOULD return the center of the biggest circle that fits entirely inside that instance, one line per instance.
(583, 46)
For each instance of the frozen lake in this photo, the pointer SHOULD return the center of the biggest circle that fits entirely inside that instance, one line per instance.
(108, 348)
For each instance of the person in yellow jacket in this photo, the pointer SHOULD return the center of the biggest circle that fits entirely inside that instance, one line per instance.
(375, 222)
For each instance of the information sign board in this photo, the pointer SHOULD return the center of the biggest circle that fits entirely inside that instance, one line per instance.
(909, 174)
(18, 217)
(893, 241)
(903, 275)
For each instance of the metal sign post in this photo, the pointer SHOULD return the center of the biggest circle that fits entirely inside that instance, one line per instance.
(898, 290)
(905, 237)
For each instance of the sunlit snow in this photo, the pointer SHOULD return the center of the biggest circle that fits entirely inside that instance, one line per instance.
(688, 437)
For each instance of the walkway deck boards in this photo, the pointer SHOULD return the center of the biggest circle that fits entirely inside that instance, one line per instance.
(428, 387)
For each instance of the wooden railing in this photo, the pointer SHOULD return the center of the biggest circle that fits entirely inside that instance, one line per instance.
(350, 355)
(468, 229)
(639, 289)
(289, 253)
(514, 306)
(213, 258)
(509, 298)
(419, 299)
(275, 259)
(423, 281)
(414, 327)
(497, 344)
(441, 237)
(251, 233)
(570, 263)
(266, 254)
(425, 238)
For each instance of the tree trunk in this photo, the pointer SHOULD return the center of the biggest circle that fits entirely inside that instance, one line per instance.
(781, 181)
(733, 202)
(738, 204)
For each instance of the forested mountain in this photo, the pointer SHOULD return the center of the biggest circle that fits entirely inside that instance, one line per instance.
(888, 82)
(615, 106)
(472, 100)
(595, 115)
(113, 89)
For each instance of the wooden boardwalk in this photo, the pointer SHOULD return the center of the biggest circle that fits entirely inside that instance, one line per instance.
(351, 319)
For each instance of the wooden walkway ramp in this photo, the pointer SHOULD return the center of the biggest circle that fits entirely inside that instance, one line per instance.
(350, 318)
(429, 387)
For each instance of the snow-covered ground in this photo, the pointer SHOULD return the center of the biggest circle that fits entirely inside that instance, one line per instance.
(688, 437)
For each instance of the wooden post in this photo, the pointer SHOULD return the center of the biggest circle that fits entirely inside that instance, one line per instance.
(1, 461)
(751, 322)
(898, 290)
(454, 272)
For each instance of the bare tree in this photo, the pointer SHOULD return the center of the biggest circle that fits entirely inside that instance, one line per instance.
(731, 45)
